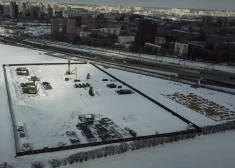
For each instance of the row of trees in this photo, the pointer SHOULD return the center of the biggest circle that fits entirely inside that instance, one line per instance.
(135, 145)
(230, 125)
(5, 165)
(117, 149)
(127, 146)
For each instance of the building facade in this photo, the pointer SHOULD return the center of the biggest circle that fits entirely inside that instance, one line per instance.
(160, 40)
(207, 20)
(84, 34)
(1, 10)
(13, 9)
(55, 29)
(50, 12)
(147, 31)
(34, 12)
(181, 49)
(115, 31)
(71, 27)
(125, 39)
(6, 10)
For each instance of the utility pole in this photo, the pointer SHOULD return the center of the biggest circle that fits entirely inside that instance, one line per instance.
(68, 70)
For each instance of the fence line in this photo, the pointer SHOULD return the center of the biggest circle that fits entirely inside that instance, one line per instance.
(13, 121)
(149, 98)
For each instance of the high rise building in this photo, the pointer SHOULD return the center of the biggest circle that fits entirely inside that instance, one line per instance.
(6, 10)
(1, 10)
(24, 8)
(64, 25)
(72, 25)
(78, 21)
(207, 20)
(147, 31)
(34, 12)
(13, 9)
(16, 10)
(50, 12)
(55, 29)
(222, 21)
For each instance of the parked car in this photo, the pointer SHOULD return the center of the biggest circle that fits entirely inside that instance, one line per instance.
(76, 85)
(83, 85)
(87, 85)
(127, 129)
(112, 85)
(21, 134)
(47, 85)
(133, 133)
(20, 128)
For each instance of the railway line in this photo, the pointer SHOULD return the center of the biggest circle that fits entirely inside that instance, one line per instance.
(214, 77)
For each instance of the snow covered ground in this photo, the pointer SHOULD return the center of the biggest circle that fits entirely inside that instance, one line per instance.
(213, 151)
(49, 115)
(37, 30)
(157, 88)
(9, 55)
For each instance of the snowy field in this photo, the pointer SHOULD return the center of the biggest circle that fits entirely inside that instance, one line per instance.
(159, 88)
(212, 151)
(51, 113)
(10, 55)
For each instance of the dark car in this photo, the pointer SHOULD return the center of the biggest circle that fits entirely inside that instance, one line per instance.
(83, 85)
(76, 85)
(20, 128)
(47, 85)
(87, 85)
(133, 133)
(79, 85)
(112, 85)
(98, 126)
(21, 134)
(81, 126)
(106, 137)
(74, 140)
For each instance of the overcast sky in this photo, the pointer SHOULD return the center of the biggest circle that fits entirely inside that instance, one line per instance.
(193, 4)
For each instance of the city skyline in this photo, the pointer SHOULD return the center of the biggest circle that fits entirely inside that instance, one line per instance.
(190, 4)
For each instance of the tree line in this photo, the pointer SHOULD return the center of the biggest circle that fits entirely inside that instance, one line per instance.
(128, 146)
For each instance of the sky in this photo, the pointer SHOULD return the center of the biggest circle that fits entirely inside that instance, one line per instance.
(192, 4)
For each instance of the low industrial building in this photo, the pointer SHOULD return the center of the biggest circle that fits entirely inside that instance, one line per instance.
(125, 39)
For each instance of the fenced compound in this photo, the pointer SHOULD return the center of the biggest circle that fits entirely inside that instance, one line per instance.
(45, 150)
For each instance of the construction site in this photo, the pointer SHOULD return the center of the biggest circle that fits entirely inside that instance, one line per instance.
(58, 105)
